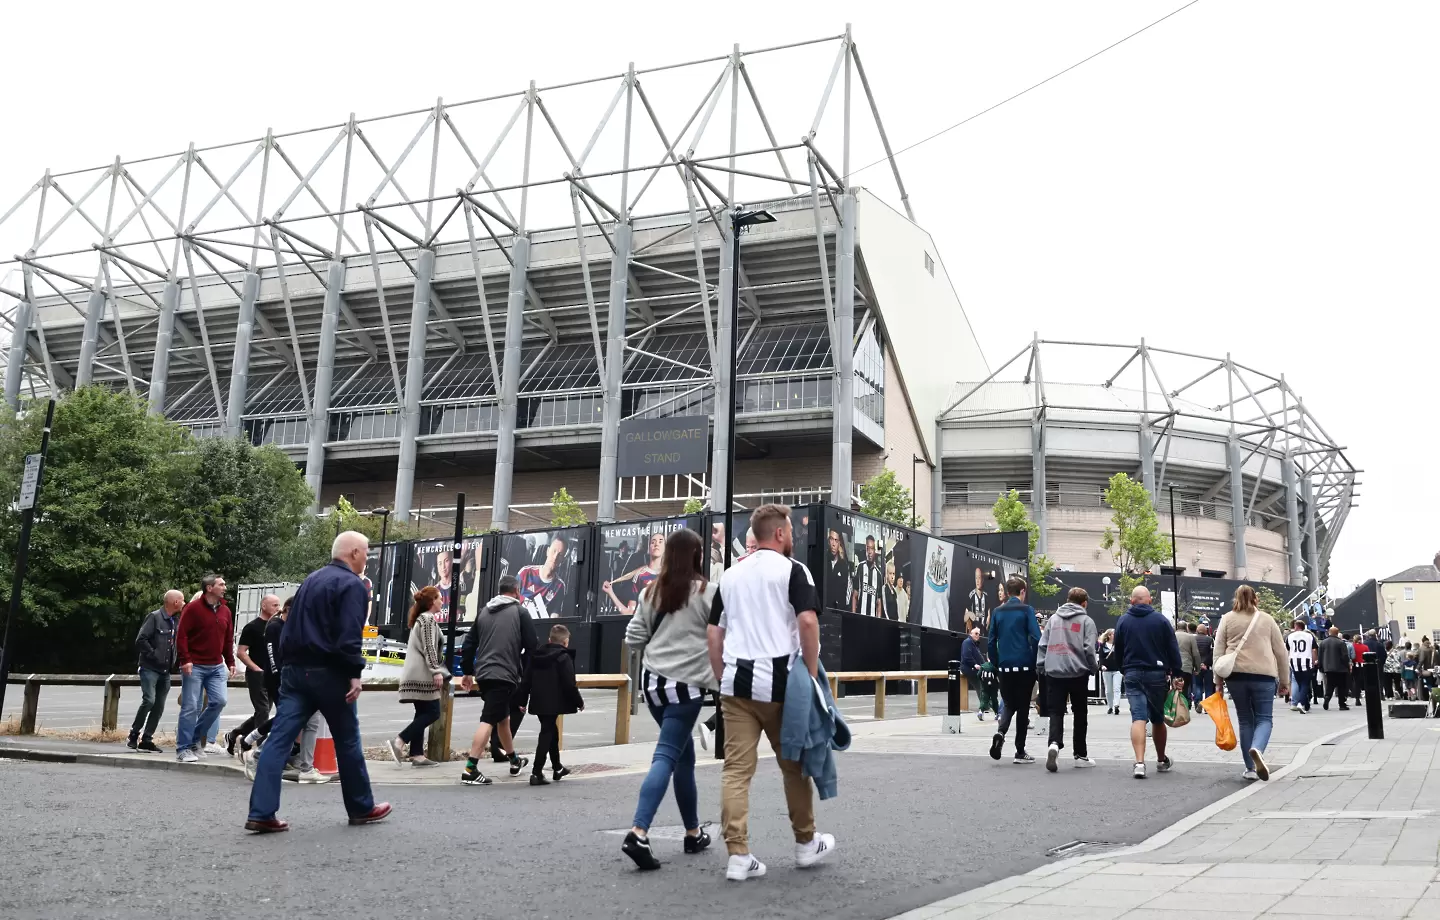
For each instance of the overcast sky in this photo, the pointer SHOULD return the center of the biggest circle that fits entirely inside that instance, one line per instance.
(1256, 178)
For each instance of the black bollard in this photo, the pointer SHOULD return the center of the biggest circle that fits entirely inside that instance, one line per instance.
(952, 702)
(1371, 676)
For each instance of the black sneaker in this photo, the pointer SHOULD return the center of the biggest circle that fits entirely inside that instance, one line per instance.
(473, 777)
(130, 743)
(638, 849)
(996, 744)
(697, 843)
(518, 763)
(560, 773)
(538, 779)
(149, 747)
(1023, 758)
(230, 743)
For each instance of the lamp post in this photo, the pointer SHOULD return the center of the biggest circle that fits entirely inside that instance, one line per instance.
(1174, 550)
(914, 483)
(739, 221)
(384, 582)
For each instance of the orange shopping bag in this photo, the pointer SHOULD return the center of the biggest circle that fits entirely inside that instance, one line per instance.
(1219, 713)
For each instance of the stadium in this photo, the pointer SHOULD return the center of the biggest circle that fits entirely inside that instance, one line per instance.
(478, 296)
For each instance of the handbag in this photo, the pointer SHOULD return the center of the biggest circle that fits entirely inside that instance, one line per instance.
(1225, 664)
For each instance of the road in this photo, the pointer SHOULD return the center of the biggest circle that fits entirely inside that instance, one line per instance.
(98, 842)
(382, 716)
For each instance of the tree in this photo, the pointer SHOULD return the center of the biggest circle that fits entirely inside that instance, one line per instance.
(693, 506)
(257, 502)
(309, 548)
(565, 511)
(116, 526)
(885, 498)
(1011, 516)
(1134, 539)
(1270, 602)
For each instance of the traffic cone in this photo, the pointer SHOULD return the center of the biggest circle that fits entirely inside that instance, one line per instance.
(325, 761)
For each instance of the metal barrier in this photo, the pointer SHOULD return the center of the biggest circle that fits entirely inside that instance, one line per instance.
(110, 703)
(922, 701)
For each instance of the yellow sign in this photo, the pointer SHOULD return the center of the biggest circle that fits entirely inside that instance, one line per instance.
(371, 632)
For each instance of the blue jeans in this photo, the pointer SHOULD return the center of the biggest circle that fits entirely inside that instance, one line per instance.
(303, 692)
(1110, 682)
(1254, 698)
(674, 755)
(1300, 688)
(154, 686)
(1202, 685)
(195, 723)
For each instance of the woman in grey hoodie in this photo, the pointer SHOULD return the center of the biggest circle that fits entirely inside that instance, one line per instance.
(1067, 658)
(669, 626)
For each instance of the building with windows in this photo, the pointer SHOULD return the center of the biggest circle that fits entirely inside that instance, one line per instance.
(1412, 598)
(475, 296)
(1255, 486)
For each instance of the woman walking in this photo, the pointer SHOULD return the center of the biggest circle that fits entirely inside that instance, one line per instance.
(669, 625)
(1261, 667)
(422, 682)
(1110, 674)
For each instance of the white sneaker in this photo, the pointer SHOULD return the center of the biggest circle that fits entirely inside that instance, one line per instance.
(1166, 764)
(1139, 771)
(1052, 758)
(187, 756)
(742, 867)
(1249, 775)
(249, 760)
(313, 775)
(215, 747)
(808, 854)
(1083, 762)
(1296, 709)
(705, 736)
(199, 752)
(397, 750)
(1262, 770)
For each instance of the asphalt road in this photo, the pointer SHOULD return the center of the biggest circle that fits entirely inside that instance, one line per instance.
(97, 842)
(382, 716)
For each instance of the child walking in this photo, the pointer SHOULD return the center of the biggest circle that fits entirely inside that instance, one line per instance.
(548, 691)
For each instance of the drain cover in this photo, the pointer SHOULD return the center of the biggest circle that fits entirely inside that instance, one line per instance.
(1079, 848)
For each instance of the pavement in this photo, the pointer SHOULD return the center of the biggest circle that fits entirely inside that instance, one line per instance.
(921, 818)
(1351, 826)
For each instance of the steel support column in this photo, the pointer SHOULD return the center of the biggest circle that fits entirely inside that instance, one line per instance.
(1147, 463)
(510, 384)
(240, 362)
(324, 373)
(614, 369)
(1038, 487)
(94, 309)
(724, 390)
(15, 361)
(1292, 519)
(1237, 508)
(414, 384)
(843, 349)
(937, 482)
(164, 332)
(1312, 544)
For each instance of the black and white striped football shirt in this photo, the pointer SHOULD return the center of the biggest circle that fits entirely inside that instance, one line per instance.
(757, 604)
(662, 691)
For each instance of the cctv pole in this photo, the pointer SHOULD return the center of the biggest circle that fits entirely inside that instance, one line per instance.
(438, 746)
(1174, 563)
(735, 228)
(29, 493)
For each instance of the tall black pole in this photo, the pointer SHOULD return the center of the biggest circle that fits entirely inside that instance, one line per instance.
(734, 386)
(914, 483)
(22, 553)
(1174, 564)
(455, 554)
(384, 614)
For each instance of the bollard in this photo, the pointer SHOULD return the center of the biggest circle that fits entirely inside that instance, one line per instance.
(110, 711)
(1371, 674)
(30, 707)
(622, 713)
(955, 686)
(437, 746)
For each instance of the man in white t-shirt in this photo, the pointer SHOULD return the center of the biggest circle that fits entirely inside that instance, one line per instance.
(1300, 649)
(764, 616)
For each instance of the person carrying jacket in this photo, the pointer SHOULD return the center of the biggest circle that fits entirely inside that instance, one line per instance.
(1015, 640)
(1335, 664)
(1068, 656)
(548, 692)
(155, 646)
(490, 659)
(1150, 657)
(811, 729)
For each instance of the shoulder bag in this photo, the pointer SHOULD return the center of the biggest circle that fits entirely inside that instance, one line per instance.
(1225, 664)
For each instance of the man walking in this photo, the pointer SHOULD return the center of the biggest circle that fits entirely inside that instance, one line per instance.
(972, 659)
(764, 619)
(1204, 683)
(1150, 658)
(491, 659)
(1300, 649)
(1356, 660)
(1068, 657)
(155, 645)
(203, 647)
(1189, 655)
(255, 656)
(321, 672)
(1014, 645)
(1335, 662)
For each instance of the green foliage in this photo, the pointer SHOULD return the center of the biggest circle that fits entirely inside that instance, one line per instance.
(1270, 602)
(565, 511)
(1011, 516)
(693, 506)
(1127, 584)
(257, 502)
(1134, 539)
(885, 498)
(309, 547)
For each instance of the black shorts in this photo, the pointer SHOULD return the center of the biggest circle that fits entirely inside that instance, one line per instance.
(496, 695)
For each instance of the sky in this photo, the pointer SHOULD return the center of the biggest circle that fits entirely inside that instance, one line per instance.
(1252, 178)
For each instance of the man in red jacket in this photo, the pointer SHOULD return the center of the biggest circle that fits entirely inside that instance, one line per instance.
(205, 652)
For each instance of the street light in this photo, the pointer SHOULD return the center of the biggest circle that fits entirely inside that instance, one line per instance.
(914, 461)
(739, 221)
(384, 582)
(1174, 563)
